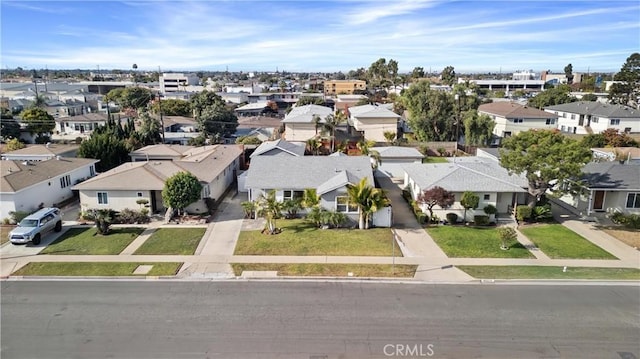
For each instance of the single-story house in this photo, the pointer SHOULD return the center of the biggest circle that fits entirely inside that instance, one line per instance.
(215, 166)
(372, 121)
(27, 185)
(608, 187)
(393, 158)
(299, 123)
(80, 124)
(160, 152)
(512, 118)
(41, 152)
(289, 176)
(486, 178)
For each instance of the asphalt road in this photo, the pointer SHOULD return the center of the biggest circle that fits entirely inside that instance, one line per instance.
(151, 319)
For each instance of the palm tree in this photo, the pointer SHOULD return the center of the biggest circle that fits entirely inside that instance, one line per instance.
(310, 198)
(270, 208)
(365, 149)
(389, 136)
(317, 122)
(368, 200)
(313, 146)
(330, 124)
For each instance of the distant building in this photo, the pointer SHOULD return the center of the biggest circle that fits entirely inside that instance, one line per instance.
(177, 82)
(343, 87)
(507, 85)
(584, 117)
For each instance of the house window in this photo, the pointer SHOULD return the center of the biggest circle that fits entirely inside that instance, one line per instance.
(92, 171)
(573, 116)
(139, 194)
(206, 192)
(487, 197)
(292, 195)
(551, 121)
(65, 181)
(103, 198)
(615, 121)
(594, 120)
(633, 200)
(627, 129)
(343, 205)
(563, 128)
(518, 120)
(506, 134)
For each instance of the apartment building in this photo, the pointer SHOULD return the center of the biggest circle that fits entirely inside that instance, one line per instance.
(343, 87)
(584, 117)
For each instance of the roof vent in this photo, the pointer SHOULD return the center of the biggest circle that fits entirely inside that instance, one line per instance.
(26, 163)
(157, 163)
(57, 158)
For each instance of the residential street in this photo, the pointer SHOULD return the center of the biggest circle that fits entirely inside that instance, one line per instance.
(151, 319)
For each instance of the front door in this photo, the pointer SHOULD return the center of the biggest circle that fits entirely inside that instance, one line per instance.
(598, 201)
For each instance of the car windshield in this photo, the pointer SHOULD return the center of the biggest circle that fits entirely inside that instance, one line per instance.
(29, 223)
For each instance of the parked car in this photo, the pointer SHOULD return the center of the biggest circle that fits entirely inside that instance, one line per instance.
(34, 226)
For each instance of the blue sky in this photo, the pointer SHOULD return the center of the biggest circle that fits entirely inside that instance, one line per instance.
(472, 36)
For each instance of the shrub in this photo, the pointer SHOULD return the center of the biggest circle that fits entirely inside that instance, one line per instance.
(481, 220)
(452, 218)
(507, 235)
(78, 140)
(616, 217)
(17, 216)
(490, 209)
(406, 194)
(442, 151)
(523, 213)
(628, 220)
(542, 213)
(131, 216)
(421, 217)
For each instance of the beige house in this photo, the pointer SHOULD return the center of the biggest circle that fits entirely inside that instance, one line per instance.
(122, 187)
(299, 125)
(512, 118)
(372, 121)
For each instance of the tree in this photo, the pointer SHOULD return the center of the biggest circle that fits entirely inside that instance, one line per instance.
(568, 72)
(418, 72)
(172, 107)
(330, 125)
(248, 140)
(431, 113)
(270, 208)
(507, 235)
(478, 129)
(627, 90)
(131, 97)
(217, 122)
(589, 97)
(548, 159)
(448, 75)
(392, 71)
(469, 200)
(310, 198)
(313, 146)
(14, 144)
(9, 127)
(38, 121)
(309, 100)
(555, 96)
(368, 200)
(110, 150)
(180, 190)
(436, 196)
(364, 146)
(615, 139)
(103, 219)
(150, 131)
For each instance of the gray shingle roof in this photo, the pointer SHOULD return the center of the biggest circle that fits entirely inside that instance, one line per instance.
(597, 108)
(299, 173)
(472, 174)
(17, 176)
(398, 152)
(376, 111)
(304, 114)
(287, 147)
(612, 175)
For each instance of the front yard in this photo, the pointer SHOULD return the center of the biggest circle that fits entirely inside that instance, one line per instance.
(559, 242)
(469, 242)
(95, 269)
(543, 272)
(86, 241)
(630, 237)
(178, 241)
(299, 238)
(329, 270)
(4, 233)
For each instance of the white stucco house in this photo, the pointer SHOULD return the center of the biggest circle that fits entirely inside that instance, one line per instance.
(485, 177)
(372, 121)
(299, 124)
(27, 185)
(80, 125)
(215, 166)
(585, 117)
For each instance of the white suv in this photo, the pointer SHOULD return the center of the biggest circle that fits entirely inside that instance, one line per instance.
(36, 225)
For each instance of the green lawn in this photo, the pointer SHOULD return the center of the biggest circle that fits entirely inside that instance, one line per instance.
(559, 242)
(469, 242)
(87, 241)
(328, 270)
(431, 159)
(179, 241)
(300, 238)
(543, 272)
(95, 269)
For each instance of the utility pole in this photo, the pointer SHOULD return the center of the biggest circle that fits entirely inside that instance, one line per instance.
(160, 111)
(457, 97)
